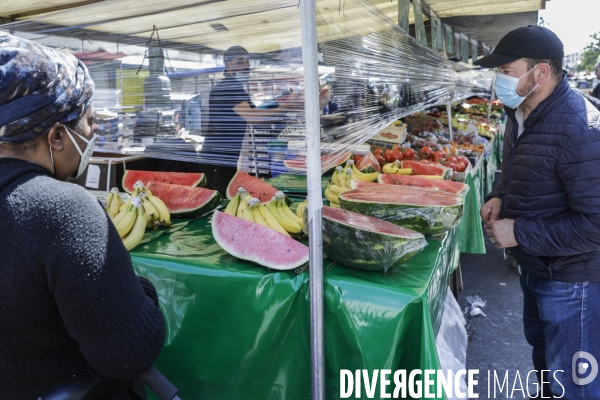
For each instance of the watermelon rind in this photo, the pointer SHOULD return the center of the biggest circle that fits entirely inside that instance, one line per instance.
(253, 242)
(368, 164)
(363, 242)
(427, 212)
(457, 188)
(130, 177)
(197, 201)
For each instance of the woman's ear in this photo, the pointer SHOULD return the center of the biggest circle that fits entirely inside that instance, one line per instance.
(55, 137)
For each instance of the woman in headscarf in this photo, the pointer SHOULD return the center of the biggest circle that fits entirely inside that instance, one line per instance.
(69, 298)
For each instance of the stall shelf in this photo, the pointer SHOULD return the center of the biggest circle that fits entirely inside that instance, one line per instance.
(236, 330)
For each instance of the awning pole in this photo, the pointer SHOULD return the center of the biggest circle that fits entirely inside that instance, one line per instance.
(315, 201)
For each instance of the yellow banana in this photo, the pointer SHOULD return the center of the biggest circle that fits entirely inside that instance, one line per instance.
(120, 199)
(430, 176)
(335, 178)
(137, 231)
(404, 171)
(241, 207)
(164, 216)
(334, 205)
(270, 219)
(300, 209)
(258, 216)
(109, 199)
(128, 202)
(247, 214)
(288, 225)
(114, 204)
(150, 209)
(330, 196)
(390, 168)
(288, 213)
(232, 207)
(337, 190)
(126, 223)
(348, 178)
(364, 177)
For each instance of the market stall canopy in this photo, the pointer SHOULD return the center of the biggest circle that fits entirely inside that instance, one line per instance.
(201, 24)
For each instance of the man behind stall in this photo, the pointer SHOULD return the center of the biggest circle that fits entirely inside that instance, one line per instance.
(546, 208)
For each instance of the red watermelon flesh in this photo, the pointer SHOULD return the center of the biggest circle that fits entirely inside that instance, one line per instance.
(407, 180)
(391, 194)
(186, 200)
(328, 161)
(255, 187)
(420, 168)
(368, 160)
(253, 242)
(362, 184)
(178, 178)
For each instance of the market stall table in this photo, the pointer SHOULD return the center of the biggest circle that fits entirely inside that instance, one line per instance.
(236, 330)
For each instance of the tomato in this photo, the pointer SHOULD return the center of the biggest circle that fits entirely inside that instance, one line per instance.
(437, 155)
(461, 167)
(389, 158)
(452, 159)
(378, 152)
(426, 152)
(357, 159)
(408, 153)
(425, 161)
(465, 160)
(397, 155)
(452, 165)
(380, 159)
(395, 147)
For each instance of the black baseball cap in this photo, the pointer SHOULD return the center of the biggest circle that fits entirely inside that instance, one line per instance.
(527, 42)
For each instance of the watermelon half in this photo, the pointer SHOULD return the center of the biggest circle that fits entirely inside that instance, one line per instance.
(328, 162)
(364, 242)
(368, 164)
(186, 201)
(456, 188)
(254, 242)
(420, 168)
(178, 178)
(423, 210)
(255, 187)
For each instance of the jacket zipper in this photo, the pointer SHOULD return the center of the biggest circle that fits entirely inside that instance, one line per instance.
(550, 272)
(512, 152)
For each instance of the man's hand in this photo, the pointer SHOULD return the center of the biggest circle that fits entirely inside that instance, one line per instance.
(491, 210)
(501, 232)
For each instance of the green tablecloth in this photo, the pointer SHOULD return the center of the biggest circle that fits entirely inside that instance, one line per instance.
(236, 330)
(472, 240)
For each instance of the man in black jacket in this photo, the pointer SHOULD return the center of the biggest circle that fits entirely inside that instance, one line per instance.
(69, 298)
(546, 209)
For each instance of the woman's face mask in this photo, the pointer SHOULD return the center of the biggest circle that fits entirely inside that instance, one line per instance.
(86, 154)
(506, 89)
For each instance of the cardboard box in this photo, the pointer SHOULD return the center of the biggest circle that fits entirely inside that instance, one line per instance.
(388, 137)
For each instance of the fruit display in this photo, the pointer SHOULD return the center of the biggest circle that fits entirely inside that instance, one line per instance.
(178, 178)
(255, 187)
(428, 169)
(456, 188)
(328, 162)
(340, 182)
(186, 201)
(275, 215)
(257, 243)
(364, 242)
(368, 164)
(423, 210)
(142, 210)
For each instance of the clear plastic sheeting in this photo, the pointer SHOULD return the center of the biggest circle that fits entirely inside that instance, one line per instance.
(472, 82)
(221, 84)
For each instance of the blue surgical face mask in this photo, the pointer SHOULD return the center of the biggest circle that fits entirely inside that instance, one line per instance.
(242, 77)
(506, 89)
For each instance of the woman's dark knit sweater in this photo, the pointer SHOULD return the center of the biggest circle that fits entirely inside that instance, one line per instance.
(69, 298)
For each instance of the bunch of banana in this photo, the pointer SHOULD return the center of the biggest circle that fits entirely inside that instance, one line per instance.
(131, 223)
(234, 203)
(394, 168)
(301, 208)
(360, 176)
(113, 202)
(282, 213)
(339, 184)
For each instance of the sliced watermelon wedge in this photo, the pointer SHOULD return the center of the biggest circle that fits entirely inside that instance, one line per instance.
(328, 162)
(421, 209)
(368, 164)
(178, 178)
(364, 242)
(427, 169)
(186, 201)
(255, 187)
(457, 188)
(253, 242)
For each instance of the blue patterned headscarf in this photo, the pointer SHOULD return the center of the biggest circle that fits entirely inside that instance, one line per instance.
(39, 87)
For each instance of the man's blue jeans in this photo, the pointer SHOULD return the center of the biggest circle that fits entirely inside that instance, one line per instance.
(560, 320)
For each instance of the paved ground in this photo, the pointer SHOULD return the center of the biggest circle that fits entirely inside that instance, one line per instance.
(496, 342)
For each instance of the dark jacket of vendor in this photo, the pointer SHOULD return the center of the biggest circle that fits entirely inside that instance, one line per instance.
(70, 300)
(549, 185)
